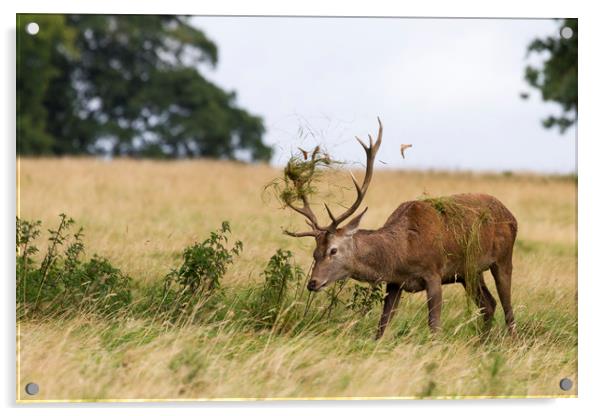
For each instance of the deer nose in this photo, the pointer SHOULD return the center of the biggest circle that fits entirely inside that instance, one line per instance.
(312, 285)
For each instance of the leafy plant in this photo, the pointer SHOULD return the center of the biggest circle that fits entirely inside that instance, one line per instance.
(202, 269)
(364, 298)
(27, 232)
(280, 273)
(63, 282)
(333, 294)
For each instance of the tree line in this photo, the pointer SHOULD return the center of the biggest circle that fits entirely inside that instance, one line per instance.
(130, 85)
(126, 85)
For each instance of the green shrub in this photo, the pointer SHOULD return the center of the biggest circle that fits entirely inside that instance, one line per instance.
(27, 232)
(280, 305)
(198, 278)
(63, 282)
(275, 297)
(364, 298)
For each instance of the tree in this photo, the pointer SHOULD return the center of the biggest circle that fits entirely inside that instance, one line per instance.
(131, 85)
(36, 70)
(557, 78)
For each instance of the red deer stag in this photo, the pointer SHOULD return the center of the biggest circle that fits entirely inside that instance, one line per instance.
(423, 245)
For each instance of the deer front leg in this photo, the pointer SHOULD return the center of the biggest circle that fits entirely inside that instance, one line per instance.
(389, 307)
(434, 298)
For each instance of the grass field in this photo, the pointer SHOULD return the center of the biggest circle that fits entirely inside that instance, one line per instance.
(141, 214)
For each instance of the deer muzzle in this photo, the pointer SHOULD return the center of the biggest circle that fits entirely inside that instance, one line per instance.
(313, 285)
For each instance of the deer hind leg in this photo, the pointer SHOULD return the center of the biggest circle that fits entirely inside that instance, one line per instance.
(487, 302)
(389, 308)
(502, 273)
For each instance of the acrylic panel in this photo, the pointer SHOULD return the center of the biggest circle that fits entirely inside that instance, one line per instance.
(193, 222)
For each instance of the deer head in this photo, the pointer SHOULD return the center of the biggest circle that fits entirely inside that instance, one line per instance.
(335, 250)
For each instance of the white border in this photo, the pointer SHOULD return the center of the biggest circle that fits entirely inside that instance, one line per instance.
(590, 139)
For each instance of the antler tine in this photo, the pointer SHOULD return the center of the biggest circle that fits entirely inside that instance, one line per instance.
(357, 185)
(312, 233)
(371, 151)
(362, 143)
(311, 221)
(313, 227)
(307, 212)
(332, 217)
(304, 153)
(315, 152)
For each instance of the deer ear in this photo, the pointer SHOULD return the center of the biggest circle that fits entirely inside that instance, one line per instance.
(353, 225)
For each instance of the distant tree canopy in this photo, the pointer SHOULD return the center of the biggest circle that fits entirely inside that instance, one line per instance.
(126, 85)
(557, 79)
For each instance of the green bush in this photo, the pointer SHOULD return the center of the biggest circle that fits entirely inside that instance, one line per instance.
(27, 232)
(193, 284)
(365, 298)
(63, 282)
(275, 297)
(283, 304)
(60, 282)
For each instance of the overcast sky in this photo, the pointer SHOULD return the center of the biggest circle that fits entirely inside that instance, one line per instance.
(450, 87)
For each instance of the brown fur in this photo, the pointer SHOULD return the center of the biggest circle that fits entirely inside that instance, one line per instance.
(421, 248)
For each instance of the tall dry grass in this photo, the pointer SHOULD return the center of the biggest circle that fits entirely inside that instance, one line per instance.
(141, 214)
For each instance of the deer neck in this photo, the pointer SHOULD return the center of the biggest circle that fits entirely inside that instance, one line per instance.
(375, 256)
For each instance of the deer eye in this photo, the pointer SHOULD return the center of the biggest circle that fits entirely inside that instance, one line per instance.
(333, 251)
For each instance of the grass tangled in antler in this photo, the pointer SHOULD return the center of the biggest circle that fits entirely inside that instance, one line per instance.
(301, 172)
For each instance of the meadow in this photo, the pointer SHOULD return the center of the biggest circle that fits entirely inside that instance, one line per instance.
(142, 214)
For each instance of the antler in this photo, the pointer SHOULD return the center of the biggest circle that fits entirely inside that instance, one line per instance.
(313, 233)
(306, 210)
(371, 151)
